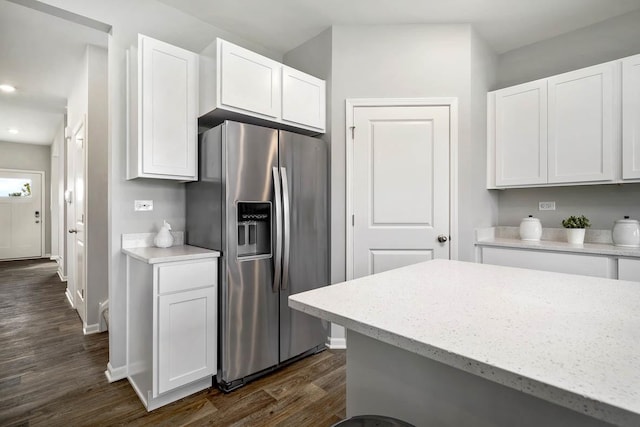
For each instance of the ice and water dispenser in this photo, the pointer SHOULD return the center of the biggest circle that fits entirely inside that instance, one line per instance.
(254, 229)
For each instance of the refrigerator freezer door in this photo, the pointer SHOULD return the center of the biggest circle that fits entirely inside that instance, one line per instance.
(249, 306)
(304, 161)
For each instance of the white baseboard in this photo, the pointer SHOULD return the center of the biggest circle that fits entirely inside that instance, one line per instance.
(47, 256)
(336, 343)
(62, 278)
(69, 298)
(91, 329)
(55, 258)
(115, 374)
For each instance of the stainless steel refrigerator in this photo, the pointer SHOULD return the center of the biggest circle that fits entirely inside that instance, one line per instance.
(261, 199)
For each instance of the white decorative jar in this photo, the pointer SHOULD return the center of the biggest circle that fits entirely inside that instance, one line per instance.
(626, 232)
(164, 238)
(530, 229)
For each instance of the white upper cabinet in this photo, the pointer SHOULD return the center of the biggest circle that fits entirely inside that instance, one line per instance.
(521, 134)
(239, 84)
(303, 98)
(563, 130)
(163, 106)
(581, 125)
(248, 81)
(631, 117)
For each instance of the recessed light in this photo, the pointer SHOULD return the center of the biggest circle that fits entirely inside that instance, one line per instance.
(7, 88)
(13, 131)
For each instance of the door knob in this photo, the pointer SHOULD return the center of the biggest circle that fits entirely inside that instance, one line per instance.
(72, 230)
(442, 238)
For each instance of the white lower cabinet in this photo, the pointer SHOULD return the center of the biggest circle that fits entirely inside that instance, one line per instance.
(171, 328)
(587, 265)
(629, 269)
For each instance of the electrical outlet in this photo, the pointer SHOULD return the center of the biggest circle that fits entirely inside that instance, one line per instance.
(143, 205)
(547, 206)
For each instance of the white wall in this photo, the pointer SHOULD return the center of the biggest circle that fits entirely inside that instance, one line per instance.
(605, 41)
(34, 158)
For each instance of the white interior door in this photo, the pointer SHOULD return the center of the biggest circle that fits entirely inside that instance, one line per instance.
(400, 186)
(76, 219)
(21, 214)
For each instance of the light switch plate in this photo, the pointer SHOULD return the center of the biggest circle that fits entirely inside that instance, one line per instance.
(547, 206)
(143, 205)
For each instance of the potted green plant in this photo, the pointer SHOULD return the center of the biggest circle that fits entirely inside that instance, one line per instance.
(576, 226)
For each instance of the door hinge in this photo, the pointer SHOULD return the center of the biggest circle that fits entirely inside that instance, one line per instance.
(353, 130)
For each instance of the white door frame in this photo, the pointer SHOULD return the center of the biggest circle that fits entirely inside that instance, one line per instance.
(452, 103)
(43, 217)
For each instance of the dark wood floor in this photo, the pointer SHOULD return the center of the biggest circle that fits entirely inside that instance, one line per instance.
(53, 375)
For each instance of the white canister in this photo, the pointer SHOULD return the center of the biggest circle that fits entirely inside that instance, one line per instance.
(530, 228)
(164, 238)
(626, 232)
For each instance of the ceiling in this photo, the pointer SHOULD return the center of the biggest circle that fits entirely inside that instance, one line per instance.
(282, 25)
(41, 54)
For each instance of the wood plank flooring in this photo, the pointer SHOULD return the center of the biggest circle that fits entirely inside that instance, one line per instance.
(53, 375)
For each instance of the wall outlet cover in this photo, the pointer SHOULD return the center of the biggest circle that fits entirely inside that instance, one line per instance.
(143, 205)
(547, 206)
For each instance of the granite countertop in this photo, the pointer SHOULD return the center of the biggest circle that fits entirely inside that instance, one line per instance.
(140, 246)
(597, 242)
(572, 340)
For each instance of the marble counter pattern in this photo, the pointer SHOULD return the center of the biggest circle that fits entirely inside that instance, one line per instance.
(554, 240)
(572, 340)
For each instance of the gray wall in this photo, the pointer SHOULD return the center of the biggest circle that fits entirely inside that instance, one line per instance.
(34, 158)
(605, 41)
(97, 183)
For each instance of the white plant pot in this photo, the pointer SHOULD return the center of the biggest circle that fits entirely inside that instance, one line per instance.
(575, 236)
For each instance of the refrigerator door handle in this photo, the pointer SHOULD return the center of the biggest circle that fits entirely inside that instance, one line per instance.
(277, 259)
(287, 228)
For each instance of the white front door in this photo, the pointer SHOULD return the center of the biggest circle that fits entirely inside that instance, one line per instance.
(21, 214)
(399, 186)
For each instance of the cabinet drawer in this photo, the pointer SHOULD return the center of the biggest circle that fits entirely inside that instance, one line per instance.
(182, 276)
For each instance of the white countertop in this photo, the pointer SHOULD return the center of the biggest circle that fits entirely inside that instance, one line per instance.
(572, 340)
(153, 255)
(507, 237)
(140, 246)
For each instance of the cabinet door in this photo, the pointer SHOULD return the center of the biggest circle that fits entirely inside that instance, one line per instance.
(168, 109)
(581, 125)
(247, 81)
(631, 117)
(629, 269)
(303, 99)
(521, 134)
(187, 334)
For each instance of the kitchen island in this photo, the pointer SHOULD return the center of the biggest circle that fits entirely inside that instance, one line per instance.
(452, 343)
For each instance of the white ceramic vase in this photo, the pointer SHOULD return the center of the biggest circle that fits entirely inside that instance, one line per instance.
(164, 238)
(575, 236)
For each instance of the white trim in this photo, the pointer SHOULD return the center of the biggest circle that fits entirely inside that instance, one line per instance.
(69, 296)
(452, 103)
(115, 374)
(62, 278)
(94, 328)
(43, 217)
(336, 343)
